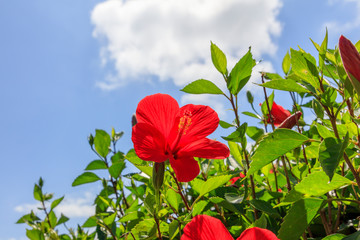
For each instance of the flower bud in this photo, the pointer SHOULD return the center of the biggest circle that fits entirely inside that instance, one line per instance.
(250, 97)
(158, 175)
(133, 120)
(291, 121)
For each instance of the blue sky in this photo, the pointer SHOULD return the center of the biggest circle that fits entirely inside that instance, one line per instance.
(68, 67)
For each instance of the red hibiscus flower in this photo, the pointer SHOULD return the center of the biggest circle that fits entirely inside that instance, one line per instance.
(234, 179)
(282, 118)
(164, 131)
(203, 227)
(350, 58)
(278, 114)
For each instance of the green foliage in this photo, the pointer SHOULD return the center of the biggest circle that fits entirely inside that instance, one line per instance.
(202, 86)
(300, 184)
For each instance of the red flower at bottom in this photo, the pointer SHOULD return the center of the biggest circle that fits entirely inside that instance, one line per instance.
(203, 227)
(164, 131)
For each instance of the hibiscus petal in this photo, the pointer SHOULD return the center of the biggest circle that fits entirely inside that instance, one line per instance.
(149, 143)
(257, 233)
(158, 110)
(193, 122)
(203, 227)
(186, 168)
(279, 114)
(350, 57)
(205, 148)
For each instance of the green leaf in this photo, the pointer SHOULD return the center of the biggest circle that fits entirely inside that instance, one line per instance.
(96, 164)
(254, 132)
(110, 219)
(149, 203)
(250, 114)
(272, 76)
(285, 85)
(275, 145)
(304, 67)
(38, 195)
(197, 184)
(324, 132)
(218, 58)
(322, 51)
(173, 199)
(298, 218)
(202, 86)
(241, 73)
(286, 63)
(234, 198)
(90, 222)
(354, 236)
(238, 134)
(318, 109)
(235, 151)
(116, 169)
(86, 177)
(145, 169)
(336, 236)
(264, 107)
(225, 124)
(199, 207)
(214, 183)
(52, 219)
(133, 158)
(330, 153)
(264, 207)
(62, 219)
(317, 184)
(173, 229)
(56, 202)
(102, 142)
(34, 234)
(261, 222)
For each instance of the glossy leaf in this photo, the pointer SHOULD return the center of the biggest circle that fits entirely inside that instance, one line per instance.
(275, 145)
(116, 169)
(317, 183)
(214, 183)
(285, 85)
(56, 202)
(298, 218)
(303, 65)
(202, 86)
(95, 165)
(102, 142)
(218, 58)
(330, 153)
(286, 63)
(86, 177)
(241, 73)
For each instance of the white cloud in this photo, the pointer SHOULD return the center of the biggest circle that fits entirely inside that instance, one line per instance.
(71, 207)
(170, 39)
(336, 27)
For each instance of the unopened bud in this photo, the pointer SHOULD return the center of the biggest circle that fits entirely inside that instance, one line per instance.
(91, 140)
(250, 97)
(291, 120)
(133, 120)
(158, 175)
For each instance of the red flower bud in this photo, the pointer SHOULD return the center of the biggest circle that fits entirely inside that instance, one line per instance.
(291, 121)
(350, 58)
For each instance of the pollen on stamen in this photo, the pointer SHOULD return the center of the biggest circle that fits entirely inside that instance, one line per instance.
(185, 122)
